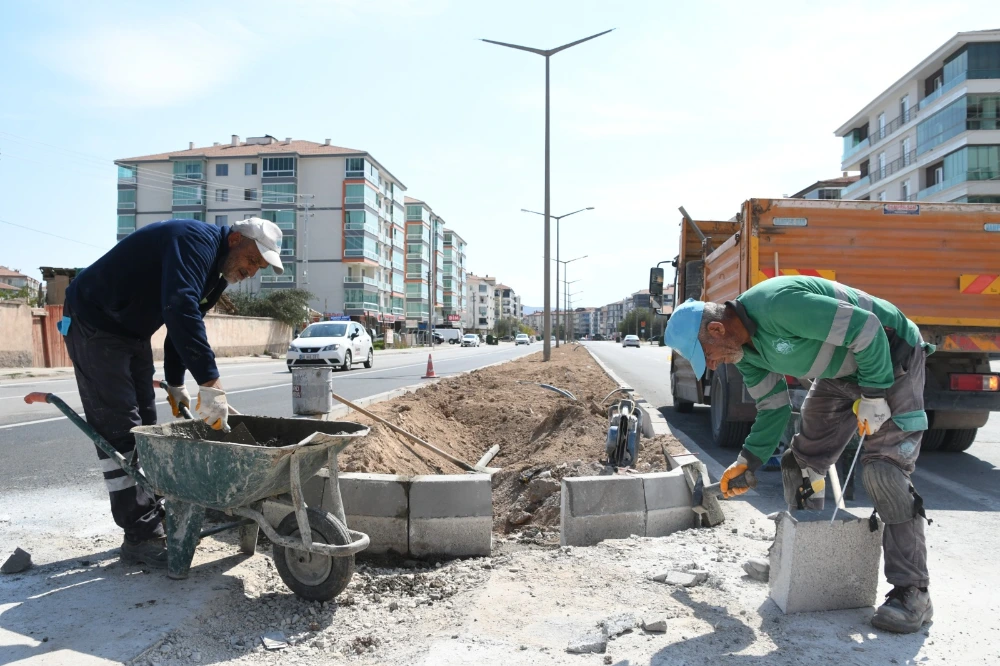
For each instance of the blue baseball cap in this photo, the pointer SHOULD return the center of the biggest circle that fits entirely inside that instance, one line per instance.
(682, 331)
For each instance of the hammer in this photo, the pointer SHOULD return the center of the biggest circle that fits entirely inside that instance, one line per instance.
(706, 498)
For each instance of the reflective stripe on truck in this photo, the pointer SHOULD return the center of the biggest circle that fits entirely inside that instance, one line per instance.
(974, 343)
(979, 284)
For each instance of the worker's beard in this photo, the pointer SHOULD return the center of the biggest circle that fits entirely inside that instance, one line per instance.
(230, 268)
(737, 355)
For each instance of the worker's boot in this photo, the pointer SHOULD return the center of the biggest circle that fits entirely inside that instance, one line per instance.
(151, 552)
(905, 610)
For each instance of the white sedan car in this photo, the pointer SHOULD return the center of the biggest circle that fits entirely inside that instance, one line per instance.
(630, 341)
(470, 340)
(335, 344)
(522, 339)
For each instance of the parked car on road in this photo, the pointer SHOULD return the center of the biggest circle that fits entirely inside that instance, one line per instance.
(630, 341)
(335, 344)
(522, 339)
(470, 340)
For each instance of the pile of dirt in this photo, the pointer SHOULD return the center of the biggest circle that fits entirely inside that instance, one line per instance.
(542, 434)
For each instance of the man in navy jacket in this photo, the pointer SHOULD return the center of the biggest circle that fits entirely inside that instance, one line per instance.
(170, 273)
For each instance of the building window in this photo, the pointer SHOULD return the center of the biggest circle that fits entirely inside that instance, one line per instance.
(126, 174)
(278, 167)
(904, 109)
(267, 274)
(221, 169)
(189, 195)
(189, 170)
(287, 246)
(904, 191)
(221, 220)
(126, 199)
(278, 193)
(482, 289)
(881, 195)
(222, 195)
(249, 168)
(285, 219)
(355, 193)
(126, 224)
(881, 126)
(250, 194)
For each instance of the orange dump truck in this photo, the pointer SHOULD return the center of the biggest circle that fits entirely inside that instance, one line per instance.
(938, 262)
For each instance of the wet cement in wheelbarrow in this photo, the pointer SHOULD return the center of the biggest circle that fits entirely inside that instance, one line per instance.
(241, 435)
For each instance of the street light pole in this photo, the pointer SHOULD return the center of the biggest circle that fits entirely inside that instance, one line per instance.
(547, 53)
(564, 263)
(558, 218)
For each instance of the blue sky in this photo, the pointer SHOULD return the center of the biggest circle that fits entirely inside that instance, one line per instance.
(696, 104)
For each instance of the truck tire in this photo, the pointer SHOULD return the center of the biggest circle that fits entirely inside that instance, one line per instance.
(932, 440)
(725, 433)
(957, 441)
(694, 279)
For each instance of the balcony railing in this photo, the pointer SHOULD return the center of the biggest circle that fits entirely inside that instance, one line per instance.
(948, 85)
(398, 311)
(367, 254)
(362, 279)
(371, 307)
(962, 177)
(878, 173)
(856, 186)
(361, 226)
(891, 127)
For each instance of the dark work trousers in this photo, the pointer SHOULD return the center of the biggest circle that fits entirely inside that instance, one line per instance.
(115, 378)
(827, 424)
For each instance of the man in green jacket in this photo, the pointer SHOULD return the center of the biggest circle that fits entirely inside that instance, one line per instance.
(857, 350)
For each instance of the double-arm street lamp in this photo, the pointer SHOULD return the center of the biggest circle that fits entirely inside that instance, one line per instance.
(547, 53)
(565, 275)
(557, 219)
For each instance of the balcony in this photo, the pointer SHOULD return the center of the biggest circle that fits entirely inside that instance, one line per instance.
(961, 177)
(362, 226)
(855, 187)
(930, 99)
(367, 307)
(892, 127)
(878, 173)
(362, 279)
(367, 254)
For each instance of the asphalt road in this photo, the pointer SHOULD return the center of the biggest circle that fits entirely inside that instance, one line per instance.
(42, 449)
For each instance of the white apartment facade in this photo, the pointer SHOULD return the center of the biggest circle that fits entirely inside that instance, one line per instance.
(934, 135)
(507, 303)
(481, 313)
(455, 304)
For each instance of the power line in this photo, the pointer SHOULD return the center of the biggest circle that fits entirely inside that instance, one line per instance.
(46, 233)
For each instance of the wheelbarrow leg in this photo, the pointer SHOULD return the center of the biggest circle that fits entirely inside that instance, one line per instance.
(183, 531)
(249, 532)
(332, 501)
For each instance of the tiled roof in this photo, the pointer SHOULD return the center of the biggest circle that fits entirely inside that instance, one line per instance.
(9, 287)
(243, 150)
(6, 272)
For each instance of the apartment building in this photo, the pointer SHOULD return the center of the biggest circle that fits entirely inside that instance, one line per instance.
(933, 135)
(341, 213)
(584, 323)
(455, 304)
(506, 303)
(826, 189)
(424, 266)
(481, 299)
(13, 280)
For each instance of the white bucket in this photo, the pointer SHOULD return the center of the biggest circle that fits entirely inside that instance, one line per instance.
(312, 390)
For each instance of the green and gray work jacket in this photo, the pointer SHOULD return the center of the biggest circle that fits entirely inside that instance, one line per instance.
(818, 329)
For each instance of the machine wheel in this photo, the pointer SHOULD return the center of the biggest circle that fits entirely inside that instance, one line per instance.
(314, 577)
(346, 365)
(932, 440)
(371, 359)
(959, 440)
(725, 433)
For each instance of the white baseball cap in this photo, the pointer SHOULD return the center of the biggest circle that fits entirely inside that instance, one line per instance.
(267, 235)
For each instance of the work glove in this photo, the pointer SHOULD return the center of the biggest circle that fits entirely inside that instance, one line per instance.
(213, 408)
(739, 477)
(178, 396)
(872, 413)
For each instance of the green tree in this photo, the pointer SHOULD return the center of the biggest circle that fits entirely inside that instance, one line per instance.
(632, 324)
(290, 306)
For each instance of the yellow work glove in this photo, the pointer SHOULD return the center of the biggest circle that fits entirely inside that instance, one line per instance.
(213, 408)
(872, 413)
(178, 396)
(738, 477)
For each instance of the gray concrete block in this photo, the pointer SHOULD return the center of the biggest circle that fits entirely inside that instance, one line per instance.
(378, 505)
(451, 496)
(668, 503)
(451, 537)
(595, 508)
(451, 516)
(819, 566)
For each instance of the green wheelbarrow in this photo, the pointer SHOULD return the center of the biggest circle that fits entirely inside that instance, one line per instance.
(195, 468)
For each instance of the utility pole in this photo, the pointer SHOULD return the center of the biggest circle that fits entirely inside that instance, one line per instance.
(304, 235)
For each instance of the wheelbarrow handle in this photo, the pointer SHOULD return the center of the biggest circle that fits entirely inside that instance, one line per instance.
(89, 431)
(185, 412)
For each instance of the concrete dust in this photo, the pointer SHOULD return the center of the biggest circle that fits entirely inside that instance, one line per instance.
(537, 430)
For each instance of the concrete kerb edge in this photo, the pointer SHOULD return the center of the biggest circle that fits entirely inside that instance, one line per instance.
(342, 410)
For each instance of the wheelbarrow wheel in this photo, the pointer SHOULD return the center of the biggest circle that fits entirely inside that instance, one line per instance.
(312, 576)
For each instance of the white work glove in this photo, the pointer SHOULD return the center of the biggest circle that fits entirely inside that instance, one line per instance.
(177, 396)
(872, 413)
(213, 408)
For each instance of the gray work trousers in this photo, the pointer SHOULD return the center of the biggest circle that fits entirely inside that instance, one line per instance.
(828, 422)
